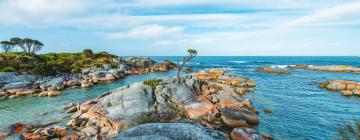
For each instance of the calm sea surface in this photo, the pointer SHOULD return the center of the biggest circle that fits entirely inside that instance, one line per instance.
(301, 110)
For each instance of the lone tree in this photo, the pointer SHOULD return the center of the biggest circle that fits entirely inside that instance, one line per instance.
(18, 42)
(191, 54)
(7, 46)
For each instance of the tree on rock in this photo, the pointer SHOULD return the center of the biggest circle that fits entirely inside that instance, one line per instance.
(7, 46)
(191, 54)
(18, 42)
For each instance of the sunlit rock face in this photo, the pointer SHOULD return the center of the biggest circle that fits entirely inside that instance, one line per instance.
(347, 88)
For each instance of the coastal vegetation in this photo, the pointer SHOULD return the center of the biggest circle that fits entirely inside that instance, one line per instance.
(350, 131)
(53, 63)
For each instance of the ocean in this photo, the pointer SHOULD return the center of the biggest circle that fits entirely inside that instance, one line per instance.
(301, 110)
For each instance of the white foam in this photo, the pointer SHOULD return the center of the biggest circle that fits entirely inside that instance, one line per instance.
(240, 62)
(279, 66)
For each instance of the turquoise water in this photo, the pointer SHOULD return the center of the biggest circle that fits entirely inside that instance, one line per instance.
(49, 109)
(301, 110)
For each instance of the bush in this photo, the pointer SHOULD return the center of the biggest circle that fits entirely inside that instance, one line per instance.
(152, 83)
(8, 69)
(350, 131)
(52, 63)
(87, 53)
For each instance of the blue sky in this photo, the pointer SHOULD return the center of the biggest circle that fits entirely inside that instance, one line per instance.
(170, 27)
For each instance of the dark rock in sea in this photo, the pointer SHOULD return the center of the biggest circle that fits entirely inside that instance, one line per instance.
(170, 131)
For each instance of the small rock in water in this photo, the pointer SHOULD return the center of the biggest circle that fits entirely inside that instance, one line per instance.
(267, 110)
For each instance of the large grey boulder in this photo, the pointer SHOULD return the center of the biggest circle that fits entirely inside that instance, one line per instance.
(17, 85)
(55, 82)
(130, 105)
(178, 93)
(103, 76)
(170, 131)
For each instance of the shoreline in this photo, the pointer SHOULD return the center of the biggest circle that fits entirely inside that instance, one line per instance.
(28, 85)
(221, 103)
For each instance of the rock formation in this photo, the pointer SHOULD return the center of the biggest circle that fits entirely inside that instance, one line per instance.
(211, 99)
(335, 68)
(347, 88)
(26, 85)
(205, 105)
(268, 69)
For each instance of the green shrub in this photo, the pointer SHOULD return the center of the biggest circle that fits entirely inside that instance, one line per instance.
(152, 83)
(51, 63)
(8, 69)
(350, 131)
(87, 53)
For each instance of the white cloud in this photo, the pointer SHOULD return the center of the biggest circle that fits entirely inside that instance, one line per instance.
(32, 12)
(147, 32)
(331, 14)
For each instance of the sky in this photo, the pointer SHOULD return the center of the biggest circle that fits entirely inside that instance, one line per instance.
(170, 27)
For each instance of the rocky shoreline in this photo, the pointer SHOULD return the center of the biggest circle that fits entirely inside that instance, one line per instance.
(347, 88)
(268, 69)
(205, 105)
(333, 68)
(12, 86)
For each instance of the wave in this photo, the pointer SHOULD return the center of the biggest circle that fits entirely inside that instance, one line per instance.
(222, 68)
(263, 62)
(240, 62)
(279, 66)
(191, 63)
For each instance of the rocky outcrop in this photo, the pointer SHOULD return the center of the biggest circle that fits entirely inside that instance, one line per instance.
(27, 85)
(210, 98)
(268, 69)
(248, 134)
(334, 68)
(37, 132)
(170, 131)
(347, 88)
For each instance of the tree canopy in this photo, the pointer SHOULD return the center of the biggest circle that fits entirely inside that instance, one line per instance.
(27, 45)
(7, 46)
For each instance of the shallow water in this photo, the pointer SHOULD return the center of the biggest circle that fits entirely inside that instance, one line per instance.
(301, 110)
(49, 109)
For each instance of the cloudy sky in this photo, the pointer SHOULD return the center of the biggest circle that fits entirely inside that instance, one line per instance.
(169, 27)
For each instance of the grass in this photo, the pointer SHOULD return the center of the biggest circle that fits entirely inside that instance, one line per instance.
(152, 83)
